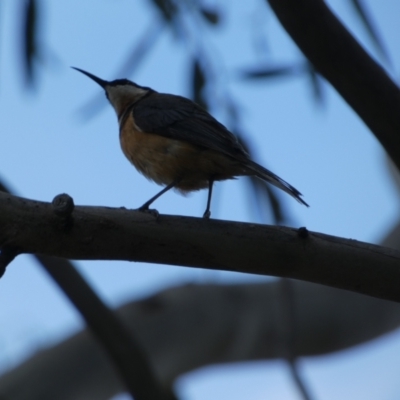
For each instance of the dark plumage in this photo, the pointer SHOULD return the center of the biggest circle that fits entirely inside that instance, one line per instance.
(173, 141)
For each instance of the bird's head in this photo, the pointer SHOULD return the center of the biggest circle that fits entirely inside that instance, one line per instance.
(120, 92)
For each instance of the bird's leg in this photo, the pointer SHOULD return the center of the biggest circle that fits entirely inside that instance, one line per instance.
(207, 213)
(146, 205)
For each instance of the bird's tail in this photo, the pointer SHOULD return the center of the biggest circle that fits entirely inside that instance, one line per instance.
(267, 175)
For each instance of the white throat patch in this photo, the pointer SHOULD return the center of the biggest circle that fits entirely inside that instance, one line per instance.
(122, 94)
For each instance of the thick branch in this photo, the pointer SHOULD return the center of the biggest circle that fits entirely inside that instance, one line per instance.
(188, 327)
(346, 65)
(7, 255)
(119, 234)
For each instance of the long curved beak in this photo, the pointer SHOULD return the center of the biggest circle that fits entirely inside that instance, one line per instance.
(101, 82)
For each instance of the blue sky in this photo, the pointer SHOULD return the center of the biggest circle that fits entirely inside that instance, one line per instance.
(48, 148)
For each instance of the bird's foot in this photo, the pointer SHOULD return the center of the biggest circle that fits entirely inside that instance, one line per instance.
(147, 210)
(207, 214)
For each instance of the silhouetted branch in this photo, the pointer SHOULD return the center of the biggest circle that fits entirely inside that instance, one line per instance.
(7, 255)
(111, 332)
(118, 234)
(119, 342)
(346, 65)
(182, 328)
(294, 372)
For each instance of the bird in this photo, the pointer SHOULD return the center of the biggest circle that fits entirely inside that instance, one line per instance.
(175, 142)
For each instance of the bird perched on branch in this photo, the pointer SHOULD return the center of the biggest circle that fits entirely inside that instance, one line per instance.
(175, 142)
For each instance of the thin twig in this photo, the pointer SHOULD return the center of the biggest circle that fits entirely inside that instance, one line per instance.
(290, 331)
(298, 380)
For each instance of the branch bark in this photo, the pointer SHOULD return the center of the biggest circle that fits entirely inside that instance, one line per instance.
(346, 65)
(120, 234)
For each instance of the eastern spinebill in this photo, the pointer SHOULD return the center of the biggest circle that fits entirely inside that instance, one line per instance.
(174, 142)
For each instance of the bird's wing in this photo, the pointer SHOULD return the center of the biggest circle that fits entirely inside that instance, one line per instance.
(179, 118)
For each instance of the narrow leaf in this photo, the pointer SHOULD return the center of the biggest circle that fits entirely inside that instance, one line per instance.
(135, 57)
(266, 197)
(211, 16)
(316, 84)
(167, 9)
(264, 194)
(29, 35)
(198, 84)
(272, 72)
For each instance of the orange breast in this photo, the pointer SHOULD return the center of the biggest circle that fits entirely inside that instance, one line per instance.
(165, 160)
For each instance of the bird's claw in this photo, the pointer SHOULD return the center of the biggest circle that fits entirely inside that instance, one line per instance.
(207, 214)
(151, 211)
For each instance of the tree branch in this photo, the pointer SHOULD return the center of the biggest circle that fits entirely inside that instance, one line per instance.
(290, 333)
(7, 255)
(104, 324)
(120, 234)
(119, 342)
(346, 65)
(192, 326)
(301, 386)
